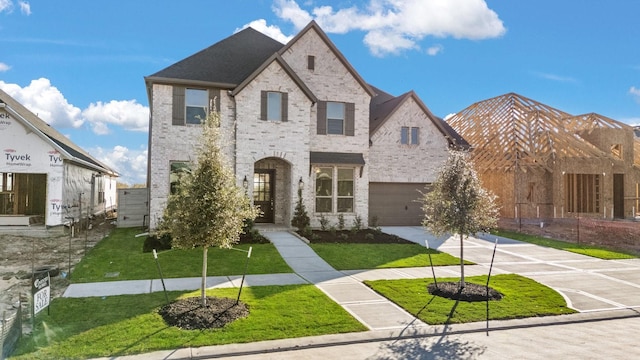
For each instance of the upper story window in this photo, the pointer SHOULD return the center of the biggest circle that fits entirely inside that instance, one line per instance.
(337, 118)
(196, 105)
(311, 62)
(274, 106)
(191, 106)
(409, 135)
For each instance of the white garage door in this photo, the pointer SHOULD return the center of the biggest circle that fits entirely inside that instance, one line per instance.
(396, 204)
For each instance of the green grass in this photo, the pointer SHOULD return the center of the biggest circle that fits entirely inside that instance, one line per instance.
(121, 252)
(523, 297)
(129, 324)
(589, 250)
(378, 256)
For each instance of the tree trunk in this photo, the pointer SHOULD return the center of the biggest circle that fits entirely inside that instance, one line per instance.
(462, 283)
(203, 286)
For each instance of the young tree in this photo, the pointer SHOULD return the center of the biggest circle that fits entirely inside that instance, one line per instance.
(457, 203)
(208, 208)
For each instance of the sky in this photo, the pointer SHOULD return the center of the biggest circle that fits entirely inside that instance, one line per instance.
(80, 65)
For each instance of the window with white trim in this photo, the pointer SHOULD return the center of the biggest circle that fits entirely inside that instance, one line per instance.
(335, 118)
(196, 105)
(409, 135)
(334, 190)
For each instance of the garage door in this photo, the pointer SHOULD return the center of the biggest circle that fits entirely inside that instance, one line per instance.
(396, 204)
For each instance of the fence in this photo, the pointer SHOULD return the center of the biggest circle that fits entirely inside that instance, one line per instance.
(10, 332)
(615, 234)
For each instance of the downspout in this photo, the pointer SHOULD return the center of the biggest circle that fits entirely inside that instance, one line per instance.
(235, 133)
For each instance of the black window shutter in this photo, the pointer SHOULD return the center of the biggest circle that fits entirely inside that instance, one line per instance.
(322, 118)
(349, 126)
(178, 106)
(285, 107)
(263, 105)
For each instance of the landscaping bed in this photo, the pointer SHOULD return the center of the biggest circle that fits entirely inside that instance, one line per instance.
(363, 236)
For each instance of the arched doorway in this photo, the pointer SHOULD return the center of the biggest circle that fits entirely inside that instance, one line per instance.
(271, 190)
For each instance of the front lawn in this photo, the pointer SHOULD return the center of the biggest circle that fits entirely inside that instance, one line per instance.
(589, 250)
(523, 298)
(81, 328)
(119, 257)
(346, 256)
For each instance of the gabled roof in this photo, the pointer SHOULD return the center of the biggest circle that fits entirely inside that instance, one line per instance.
(277, 58)
(384, 105)
(68, 149)
(226, 63)
(313, 26)
(512, 131)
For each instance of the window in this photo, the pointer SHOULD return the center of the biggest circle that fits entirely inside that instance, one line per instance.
(324, 190)
(616, 151)
(311, 62)
(335, 118)
(274, 106)
(178, 169)
(582, 193)
(325, 201)
(409, 135)
(196, 102)
(345, 190)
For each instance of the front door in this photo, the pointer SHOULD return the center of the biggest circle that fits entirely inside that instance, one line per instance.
(263, 190)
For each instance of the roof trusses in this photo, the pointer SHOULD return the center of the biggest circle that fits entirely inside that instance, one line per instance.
(512, 131)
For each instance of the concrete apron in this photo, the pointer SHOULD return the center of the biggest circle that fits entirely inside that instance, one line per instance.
(588, 284)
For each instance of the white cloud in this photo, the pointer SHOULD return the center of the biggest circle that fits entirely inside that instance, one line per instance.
(4, 67)
(130, 164)
(635, 92)
(127, 114)
(46, 101)
(435, 50)
(449, 116)
(25, 7)
(269, 30)
(392, 26)
(6, 5)
(555, 77)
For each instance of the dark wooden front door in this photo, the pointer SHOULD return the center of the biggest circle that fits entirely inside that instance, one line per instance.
(618, 196)
(263, 190)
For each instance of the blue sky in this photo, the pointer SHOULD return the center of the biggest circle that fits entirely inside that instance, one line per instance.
(80, 65)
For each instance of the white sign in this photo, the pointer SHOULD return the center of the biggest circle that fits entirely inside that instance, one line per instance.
(41, 292)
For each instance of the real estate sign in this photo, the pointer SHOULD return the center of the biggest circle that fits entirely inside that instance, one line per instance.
(40, 288)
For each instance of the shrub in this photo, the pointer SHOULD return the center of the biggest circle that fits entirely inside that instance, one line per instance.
(369, 237)
(344, 236)
(332, 230)
(157, 242)
(324, 223)
(300, 217)
(357, 224)
(341, 222)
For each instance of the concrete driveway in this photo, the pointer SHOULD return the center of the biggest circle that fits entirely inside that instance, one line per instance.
(588, 284)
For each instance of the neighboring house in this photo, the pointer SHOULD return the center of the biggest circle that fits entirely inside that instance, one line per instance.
(296, 116)
(543, 162)
(44, 177)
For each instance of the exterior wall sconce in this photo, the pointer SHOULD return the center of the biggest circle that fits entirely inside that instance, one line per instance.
(300, 184)
(245, 183)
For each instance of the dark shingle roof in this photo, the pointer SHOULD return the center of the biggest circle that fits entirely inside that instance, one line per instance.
(228, 61)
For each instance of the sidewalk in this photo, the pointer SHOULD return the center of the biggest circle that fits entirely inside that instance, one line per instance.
(598, 289)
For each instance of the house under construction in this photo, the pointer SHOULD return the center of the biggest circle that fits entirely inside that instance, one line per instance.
(545, 163)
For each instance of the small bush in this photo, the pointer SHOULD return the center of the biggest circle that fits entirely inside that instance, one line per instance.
(369, 237)
(332, 230)
(341, 222)
(324, 223)
(344, 236)
(357, 224)
(157, 242)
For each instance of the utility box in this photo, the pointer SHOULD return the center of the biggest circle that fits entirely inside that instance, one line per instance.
(133, 207)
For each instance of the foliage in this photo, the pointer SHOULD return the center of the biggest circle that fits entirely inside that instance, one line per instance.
(324, 222)
(340, 221)
(157, 242)
(373, 223)
(357, 223)
(208, 208)
(457, 202)
(300, 217)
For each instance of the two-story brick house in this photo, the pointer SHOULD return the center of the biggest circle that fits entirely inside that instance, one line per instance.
(296, 116)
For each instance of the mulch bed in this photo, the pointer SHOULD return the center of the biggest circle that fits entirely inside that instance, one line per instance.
(471, 292)
(364, 236)
(189, 314)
